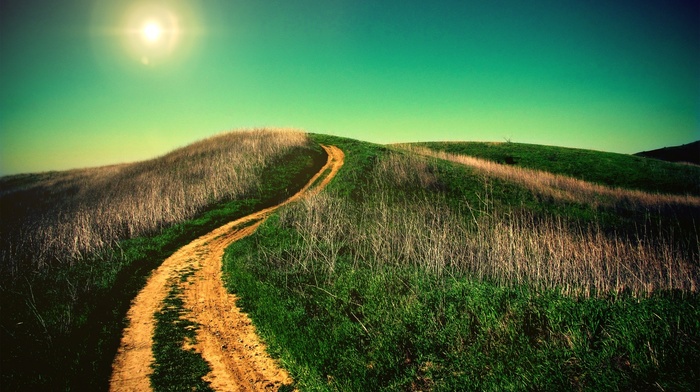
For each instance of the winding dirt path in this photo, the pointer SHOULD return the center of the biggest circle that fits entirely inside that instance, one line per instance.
(226, 337)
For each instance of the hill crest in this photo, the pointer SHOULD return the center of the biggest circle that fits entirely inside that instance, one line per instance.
(687, 153)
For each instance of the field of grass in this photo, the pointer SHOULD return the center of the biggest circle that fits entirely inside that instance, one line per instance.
(77, 246)
(58, 217)
(417, 273)
(616, 170)
(531, 268)
(563, 187)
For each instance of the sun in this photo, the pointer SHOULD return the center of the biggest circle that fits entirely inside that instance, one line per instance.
(151, 32)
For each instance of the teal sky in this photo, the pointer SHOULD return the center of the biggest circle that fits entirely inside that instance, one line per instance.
(77, 88)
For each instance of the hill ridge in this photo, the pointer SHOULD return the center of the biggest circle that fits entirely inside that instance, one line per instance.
(688, 153)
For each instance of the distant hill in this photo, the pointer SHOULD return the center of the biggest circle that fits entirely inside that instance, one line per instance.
(685, 153)
(605, 168)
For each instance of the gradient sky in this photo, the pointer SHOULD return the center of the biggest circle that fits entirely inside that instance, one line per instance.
(78, 89)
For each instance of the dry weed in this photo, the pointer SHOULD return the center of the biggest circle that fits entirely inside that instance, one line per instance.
(563, 187)
(66, 215)
(508, 247)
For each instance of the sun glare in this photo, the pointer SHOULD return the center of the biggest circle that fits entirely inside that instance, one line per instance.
(151, 32)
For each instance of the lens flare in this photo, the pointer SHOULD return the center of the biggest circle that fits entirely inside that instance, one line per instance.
(151, 32)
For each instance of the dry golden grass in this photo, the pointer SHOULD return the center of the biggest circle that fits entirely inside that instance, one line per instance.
(62, 216)
(562, 187)
(508, 247)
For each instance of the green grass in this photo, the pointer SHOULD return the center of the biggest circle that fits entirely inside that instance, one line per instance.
(361, 157)
(617, 170)
(175, 368)
(41, 351)
(356, 322)
(399, 330)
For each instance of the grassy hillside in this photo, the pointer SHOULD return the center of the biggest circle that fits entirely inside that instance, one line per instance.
(411, 272)
(618, 170)
(77, 246)
(415, 273)
(57, 217)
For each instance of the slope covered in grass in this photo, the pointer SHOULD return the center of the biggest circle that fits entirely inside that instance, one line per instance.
(413, 273)
(611, 169)
(63, 303)
(57, 217)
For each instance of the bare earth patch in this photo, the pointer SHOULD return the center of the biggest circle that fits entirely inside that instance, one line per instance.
(226, 337)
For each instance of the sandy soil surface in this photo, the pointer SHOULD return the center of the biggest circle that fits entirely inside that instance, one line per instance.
(226, 337)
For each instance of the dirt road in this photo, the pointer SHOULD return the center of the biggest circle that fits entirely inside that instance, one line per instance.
(226, 338)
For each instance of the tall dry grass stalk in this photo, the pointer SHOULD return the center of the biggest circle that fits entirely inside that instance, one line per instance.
(563, 187)
(66, 215)
(508, 247)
